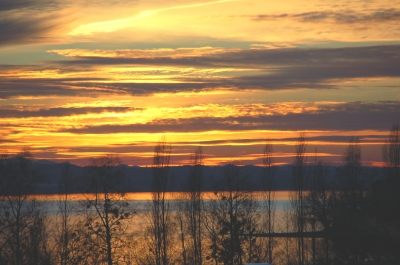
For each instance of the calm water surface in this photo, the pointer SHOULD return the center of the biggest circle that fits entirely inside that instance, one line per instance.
(140, 202)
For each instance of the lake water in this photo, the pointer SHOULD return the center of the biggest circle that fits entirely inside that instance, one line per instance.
(140, 202)
(140, 199)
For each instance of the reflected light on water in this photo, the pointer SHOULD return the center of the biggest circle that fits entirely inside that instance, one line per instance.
(144, 196)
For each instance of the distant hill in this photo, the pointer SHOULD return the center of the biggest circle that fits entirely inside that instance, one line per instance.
(139, 179)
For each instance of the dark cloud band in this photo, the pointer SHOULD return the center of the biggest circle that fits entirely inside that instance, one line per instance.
(59, 112)
(269, 70)
(340, 17)
(349, 116)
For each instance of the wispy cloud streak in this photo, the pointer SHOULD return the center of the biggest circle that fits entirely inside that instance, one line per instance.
(291, 68)
(12, 112)
(28, 21)
(347, 116)
(118, 24)
(339, 17)
(263, 69)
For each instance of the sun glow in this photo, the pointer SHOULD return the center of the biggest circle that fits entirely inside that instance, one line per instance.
(118, 24)
(92, 78)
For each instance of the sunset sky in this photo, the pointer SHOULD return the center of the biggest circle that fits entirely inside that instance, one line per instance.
(84, 78)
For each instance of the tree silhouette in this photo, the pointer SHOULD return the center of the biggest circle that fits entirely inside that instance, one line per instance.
(160, 210)
(268, 185)
(231, 214)
(385, 202)
(22, 238)
(391, 152)
(298, 196)
(195, 205)
(348, 209)
(190, 211)
(106, 207)
(65, 210)
(318, 204)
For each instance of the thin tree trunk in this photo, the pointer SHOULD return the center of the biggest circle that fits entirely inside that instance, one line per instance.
(183, 243)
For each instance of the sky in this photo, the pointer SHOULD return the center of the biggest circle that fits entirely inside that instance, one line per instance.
(82, 78)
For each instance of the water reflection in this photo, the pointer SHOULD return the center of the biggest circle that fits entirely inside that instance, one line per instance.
(139, 203)
(144, 196)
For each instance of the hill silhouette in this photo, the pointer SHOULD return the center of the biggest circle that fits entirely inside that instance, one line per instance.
(139, 179)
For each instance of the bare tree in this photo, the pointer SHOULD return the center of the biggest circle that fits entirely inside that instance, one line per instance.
(65, 209)
(183, 225)
(195, 205)
(385, 200)
(160, 220)
(287, 246)
(298, 196)
(318, 203)
(107, 208)
(190, 211)
(231, 215)
(315, 174)
(349, 205)
(391, 152)
(351, 173)
(22, 238)
(268, 185)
